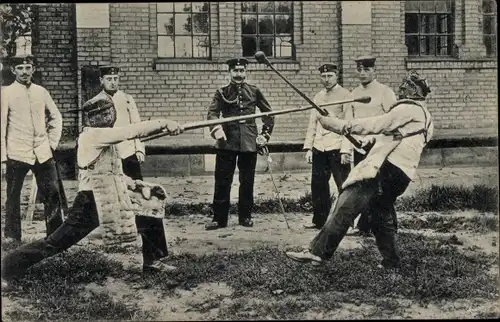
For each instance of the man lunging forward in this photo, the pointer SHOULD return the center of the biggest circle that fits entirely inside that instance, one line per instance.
(381, 177)
(102, 191)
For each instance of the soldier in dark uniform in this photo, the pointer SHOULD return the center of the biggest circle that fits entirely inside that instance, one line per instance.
(237, 143)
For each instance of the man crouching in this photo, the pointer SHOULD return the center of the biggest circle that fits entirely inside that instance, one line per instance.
(381, 177)
(102, 192)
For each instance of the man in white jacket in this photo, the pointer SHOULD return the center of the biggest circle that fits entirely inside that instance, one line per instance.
(31, 127)
(382, 176)
(383, 98)
(323, 147)
(132, 152)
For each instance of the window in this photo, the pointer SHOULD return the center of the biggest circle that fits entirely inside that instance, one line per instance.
(268, 27)
(17, 25)
(490, 27)
(183, 29)
(23, 44)
(429, 27)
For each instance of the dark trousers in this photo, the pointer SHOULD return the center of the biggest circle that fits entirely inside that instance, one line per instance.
(46, 179)
(364, 218)
(82, 219)
(358, 198)
(225, 164)
(364, 222)
(324, 165)
(132, 167)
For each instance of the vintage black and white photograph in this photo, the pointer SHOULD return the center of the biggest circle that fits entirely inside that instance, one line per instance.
(236, 160)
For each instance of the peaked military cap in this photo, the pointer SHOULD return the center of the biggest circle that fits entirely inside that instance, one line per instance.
(365, 61)
(325, 68)
(22, 59)
(233, 62)
(109, 70)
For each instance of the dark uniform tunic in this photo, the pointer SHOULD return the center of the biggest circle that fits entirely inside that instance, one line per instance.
(240, 146)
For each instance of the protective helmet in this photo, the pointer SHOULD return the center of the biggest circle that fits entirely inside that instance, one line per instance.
(413, 87)
(99, 112)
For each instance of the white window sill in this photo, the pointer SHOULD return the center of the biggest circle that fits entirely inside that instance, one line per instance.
(176, 64)
(449, 63)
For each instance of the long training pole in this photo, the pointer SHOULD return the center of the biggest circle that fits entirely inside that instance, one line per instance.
(201, 124)
(261, 58)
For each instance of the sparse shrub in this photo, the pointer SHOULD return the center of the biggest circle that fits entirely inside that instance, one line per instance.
(448, 198)
(440, 223)
(435, 198)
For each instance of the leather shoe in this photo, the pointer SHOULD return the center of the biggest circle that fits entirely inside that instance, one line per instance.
(214, 225)
(9, 240)
(246, 222)
(358, 232)
(312, 227)
(158, 266)
(305, 257)
(5, 284)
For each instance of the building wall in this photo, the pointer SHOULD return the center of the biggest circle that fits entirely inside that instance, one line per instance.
(465, 95)
(52, 43)
(54, 49)
(463, 101)
(182, 90)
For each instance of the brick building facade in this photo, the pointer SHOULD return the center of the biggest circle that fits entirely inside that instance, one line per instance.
(72, 39)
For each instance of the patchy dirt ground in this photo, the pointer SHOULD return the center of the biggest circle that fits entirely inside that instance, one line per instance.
(291, 184)
(205, 301)
(186, 235)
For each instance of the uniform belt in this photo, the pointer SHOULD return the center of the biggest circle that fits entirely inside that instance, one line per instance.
(90, 167)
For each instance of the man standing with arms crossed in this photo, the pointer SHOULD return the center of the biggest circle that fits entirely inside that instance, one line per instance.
(383, 98)
(132, 152)
(323, 147)
(27, 143)
(237, 143)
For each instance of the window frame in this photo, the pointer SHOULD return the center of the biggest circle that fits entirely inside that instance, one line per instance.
(434, 34)
(274, 35)
(493, 36)
(192, 35)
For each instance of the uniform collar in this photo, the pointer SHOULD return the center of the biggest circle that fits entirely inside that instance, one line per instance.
(16, 83)
(370, 85)
(237, 85)
(109, 93)
(334, 89)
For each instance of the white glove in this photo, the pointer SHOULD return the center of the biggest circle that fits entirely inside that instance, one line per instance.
(367, 142)
(345, 158)
(148, 199)
(149, 189)
(140, 157)
(218, 133)
(172, 127)
(261, 140)
(309, 156)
